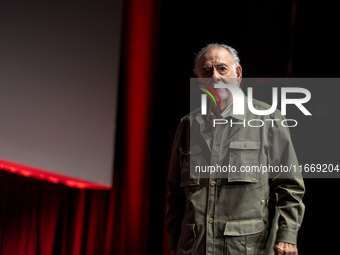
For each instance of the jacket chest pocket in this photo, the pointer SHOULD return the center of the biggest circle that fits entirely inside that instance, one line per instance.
(190, 161)
(244, 161)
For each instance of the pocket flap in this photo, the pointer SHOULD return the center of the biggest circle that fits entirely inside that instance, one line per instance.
(194, 150)
(188, 179)
(243, 227)
(244, 145)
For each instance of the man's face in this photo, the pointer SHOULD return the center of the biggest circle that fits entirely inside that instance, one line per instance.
(217, 66)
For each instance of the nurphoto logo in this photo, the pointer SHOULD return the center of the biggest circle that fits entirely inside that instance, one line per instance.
(238, 103)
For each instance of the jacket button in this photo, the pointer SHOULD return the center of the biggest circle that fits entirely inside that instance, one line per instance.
(262, 201)
(213, 183)
(210, 220)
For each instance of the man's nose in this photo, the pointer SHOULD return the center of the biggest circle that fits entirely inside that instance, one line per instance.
(216, 76)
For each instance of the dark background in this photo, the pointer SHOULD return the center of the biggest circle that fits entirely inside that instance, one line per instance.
(271, 43)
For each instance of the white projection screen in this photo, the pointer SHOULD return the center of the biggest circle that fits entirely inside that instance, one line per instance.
(59, 67)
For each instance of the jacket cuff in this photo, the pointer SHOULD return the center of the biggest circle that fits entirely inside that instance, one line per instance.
(286, 235)
(173, 241)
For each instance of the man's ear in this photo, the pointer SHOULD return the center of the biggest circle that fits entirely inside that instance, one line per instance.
(239, 75)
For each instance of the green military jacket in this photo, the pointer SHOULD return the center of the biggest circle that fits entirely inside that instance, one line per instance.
(227, 213)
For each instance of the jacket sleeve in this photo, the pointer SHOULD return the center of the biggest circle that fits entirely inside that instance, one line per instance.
(288, 186)
(176, 196)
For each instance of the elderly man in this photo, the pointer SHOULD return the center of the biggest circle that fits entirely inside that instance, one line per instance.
(218, 215)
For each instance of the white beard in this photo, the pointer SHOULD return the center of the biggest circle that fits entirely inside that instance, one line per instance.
(223, 93)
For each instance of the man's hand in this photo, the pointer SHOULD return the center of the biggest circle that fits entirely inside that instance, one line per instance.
(282, 248)
(172, 252)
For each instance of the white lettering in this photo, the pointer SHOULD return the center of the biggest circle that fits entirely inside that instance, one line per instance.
(220, 121)
(239, 123)
(289, 120)
(297, 101)
(262, 112)
(272, 120)
(255, 120)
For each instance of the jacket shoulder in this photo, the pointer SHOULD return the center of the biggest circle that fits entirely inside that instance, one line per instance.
(191, 116)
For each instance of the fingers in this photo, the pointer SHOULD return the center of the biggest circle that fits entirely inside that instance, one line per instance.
(282, 248)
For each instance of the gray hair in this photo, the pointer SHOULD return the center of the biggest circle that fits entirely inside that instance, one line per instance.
(231, 50)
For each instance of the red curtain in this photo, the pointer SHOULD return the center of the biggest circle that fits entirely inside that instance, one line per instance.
(39, 217)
